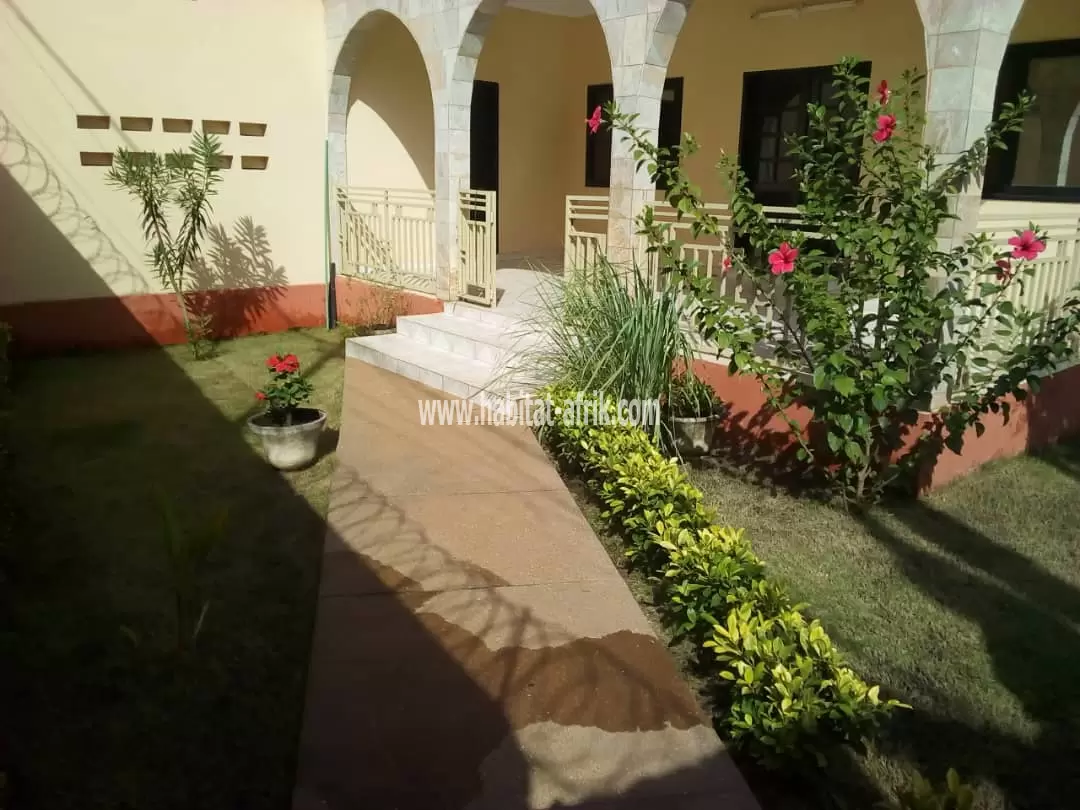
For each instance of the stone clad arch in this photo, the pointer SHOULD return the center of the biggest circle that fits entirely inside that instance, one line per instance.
(640, 37)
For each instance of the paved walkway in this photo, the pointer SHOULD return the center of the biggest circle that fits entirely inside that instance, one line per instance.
(475, 647)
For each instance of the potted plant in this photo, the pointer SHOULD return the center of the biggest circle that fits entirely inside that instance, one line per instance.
(289, 432)
(693, 410)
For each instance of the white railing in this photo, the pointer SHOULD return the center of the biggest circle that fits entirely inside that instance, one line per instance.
(477, 236)
(586, 230)
(1057, 269)
(388, 236)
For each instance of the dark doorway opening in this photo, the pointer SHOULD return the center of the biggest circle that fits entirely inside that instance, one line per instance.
(484, 144)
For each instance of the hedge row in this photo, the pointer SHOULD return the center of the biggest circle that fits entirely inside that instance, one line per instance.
(786, 693)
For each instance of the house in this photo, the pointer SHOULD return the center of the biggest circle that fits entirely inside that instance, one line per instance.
(426, 144)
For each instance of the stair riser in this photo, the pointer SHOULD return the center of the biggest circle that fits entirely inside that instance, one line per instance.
(490, 317)
(432, 379)
(418, 331)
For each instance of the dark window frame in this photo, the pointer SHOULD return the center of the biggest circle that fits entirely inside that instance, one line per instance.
(812, 80)
(1001, 165)
(598, 146)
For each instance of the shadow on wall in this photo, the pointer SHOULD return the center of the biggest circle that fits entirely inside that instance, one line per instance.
(49, 242)
(30, 243)
(391, 131)
(236, 282)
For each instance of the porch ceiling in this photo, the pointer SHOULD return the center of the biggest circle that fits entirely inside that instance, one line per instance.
(562, 8)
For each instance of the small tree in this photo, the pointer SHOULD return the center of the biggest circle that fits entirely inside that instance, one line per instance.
(883, 317)
(176, 186)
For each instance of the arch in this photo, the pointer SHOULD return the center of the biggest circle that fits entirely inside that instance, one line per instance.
(345, 50)
(390, 121)
(638, 46)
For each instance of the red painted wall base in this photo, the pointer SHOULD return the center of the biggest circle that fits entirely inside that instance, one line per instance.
(111, 322)
(754, 432)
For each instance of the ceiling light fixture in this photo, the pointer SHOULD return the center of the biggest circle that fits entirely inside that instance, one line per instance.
(802, 8)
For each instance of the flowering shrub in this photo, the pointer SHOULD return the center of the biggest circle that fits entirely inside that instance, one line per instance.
(287, 389)
(786, 693)
(884, 319)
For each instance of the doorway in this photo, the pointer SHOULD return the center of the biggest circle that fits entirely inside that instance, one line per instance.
(484, 144)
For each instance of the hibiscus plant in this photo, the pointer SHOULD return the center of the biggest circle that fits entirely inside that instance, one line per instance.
(287, 390)
(876, 320)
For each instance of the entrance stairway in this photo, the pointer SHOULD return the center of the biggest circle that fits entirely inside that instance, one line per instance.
(466, 351)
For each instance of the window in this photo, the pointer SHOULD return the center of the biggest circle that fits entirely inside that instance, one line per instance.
(1043, 161)
(598, 146)
(774, 108)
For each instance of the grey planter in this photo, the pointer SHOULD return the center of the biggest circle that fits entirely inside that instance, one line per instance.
(694, 434)
(290, 447)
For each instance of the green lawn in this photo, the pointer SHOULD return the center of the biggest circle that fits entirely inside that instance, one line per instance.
(965, 604)
(99, 709)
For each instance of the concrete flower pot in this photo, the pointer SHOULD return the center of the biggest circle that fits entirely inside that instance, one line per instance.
(694, 434)
(290, 447)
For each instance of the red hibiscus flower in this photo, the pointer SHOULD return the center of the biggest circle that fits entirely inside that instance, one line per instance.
(883, 92)
(595, 120)
(1005, 269)
(726, 263)
(259, 395)
(1027, 245)
(885, 126)
(783, 259)
(273, 361)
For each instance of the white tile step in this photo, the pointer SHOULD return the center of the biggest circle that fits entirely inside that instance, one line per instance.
(442, 370)
(468, 337)
(490, 317)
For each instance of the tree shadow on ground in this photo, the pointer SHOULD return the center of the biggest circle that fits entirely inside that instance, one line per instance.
(1028, 618)
(100, 709)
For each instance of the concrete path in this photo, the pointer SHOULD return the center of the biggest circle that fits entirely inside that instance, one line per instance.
(475, 648)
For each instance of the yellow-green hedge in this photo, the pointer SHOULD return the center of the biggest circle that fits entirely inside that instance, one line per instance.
(786, 694)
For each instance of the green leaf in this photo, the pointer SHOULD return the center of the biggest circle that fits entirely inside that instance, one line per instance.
(843, 385)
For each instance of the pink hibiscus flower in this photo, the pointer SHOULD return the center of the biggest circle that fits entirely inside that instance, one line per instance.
(883, 92)
(1027, 245)
(782, 260)
(886, 124)
(726, 263)
(595, 120)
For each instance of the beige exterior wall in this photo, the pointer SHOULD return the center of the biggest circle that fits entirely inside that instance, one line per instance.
(543, 64)
(1044, 20)
(391, 127)
(63, 233)
(719, 42)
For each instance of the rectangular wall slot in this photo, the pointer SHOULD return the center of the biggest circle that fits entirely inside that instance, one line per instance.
(92, 121)
(257, 162)
(136, 124)
(252, 129)
(215, 127)
(176, 124)
(95, 158)
(225, 161)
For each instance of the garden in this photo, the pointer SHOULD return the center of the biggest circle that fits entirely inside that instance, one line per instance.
(858, 645)
(158, 577)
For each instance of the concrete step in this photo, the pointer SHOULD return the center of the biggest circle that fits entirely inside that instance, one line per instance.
(468, 337)
(490, 317)
(454, 374)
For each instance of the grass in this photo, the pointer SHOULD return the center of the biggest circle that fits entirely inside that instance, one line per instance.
(100, 710)
(965, 604)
